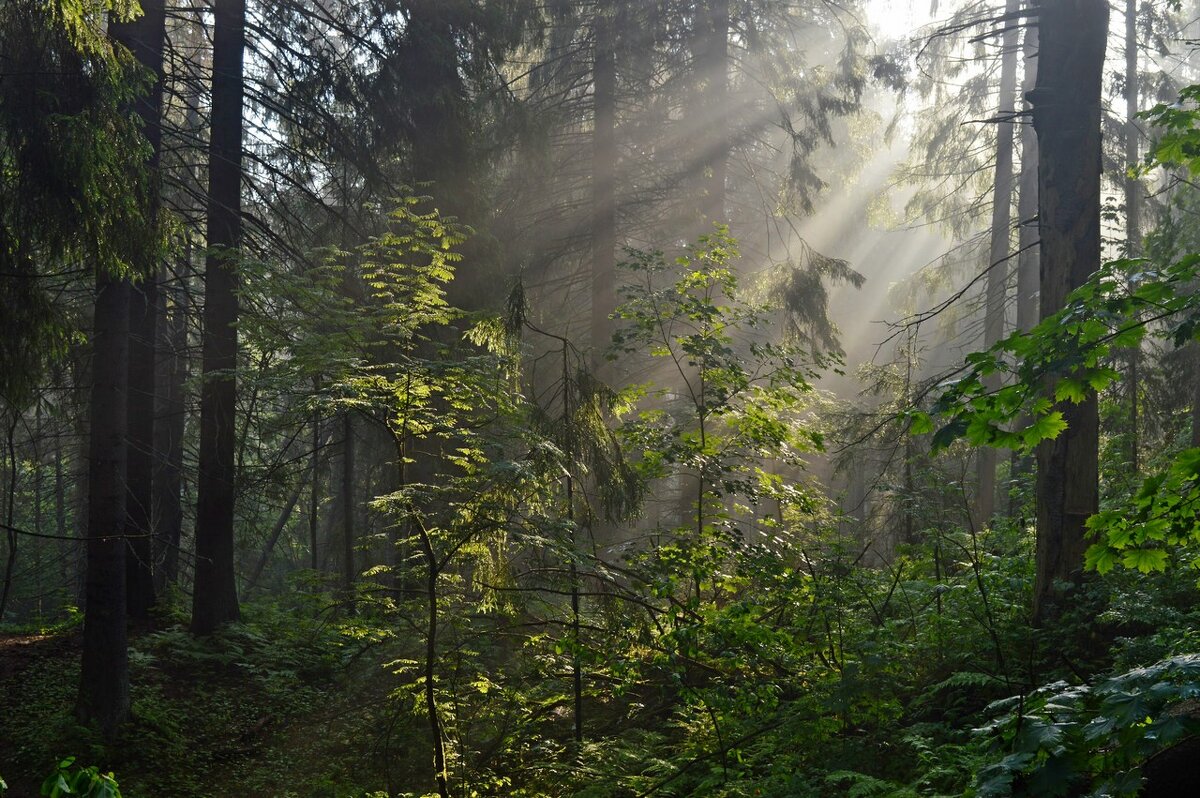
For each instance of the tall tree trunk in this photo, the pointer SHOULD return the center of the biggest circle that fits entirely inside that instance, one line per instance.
(1066, 116)
(214, 600)
(104, 678)
(1133, 209)
(998, 251)
(168, 480)
(604, 178)
(145, 38)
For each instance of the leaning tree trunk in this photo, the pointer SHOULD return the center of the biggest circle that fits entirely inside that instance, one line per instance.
(215, 600)
(998, 252)
(1066, 115)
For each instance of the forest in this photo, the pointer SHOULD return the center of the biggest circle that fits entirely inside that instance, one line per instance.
(599, 398)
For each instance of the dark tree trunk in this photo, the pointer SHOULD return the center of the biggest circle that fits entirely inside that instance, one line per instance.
(998, 251)
(66, 548)
(104, 678)
(145, 38)
(604, 177)
(348, 504)
(139, 567)
(314, 496)
(10, 505)
(215, 600)
(1066, 115)
(172, 412)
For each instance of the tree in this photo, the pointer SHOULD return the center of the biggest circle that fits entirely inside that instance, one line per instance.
(1066, 115)
(214, 599)
(119, 551)
(1000, 240)
(145, 39)
(604, 178)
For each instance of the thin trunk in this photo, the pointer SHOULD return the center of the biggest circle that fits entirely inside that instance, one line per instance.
(1195, 347)
(215, 600)
(604, 168)
(104, 678)
(998, 251)
(1133, 207)
(65, 547)
(1028, 259)
(168, 480)
(139, 565)
(281, 523)
(314, 497)
(348, 532)
(37, 506)
(714, 68)
(431, 632)
(10, 503)
(569, 479)
(1066, 116)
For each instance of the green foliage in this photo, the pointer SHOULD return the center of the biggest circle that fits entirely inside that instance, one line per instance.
(73, 182)
(70, 779)
(1089, 739)
(1159, 524)
(741, 396)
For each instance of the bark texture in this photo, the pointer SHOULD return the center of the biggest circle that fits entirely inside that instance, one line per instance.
(104, 678)
(215, 600)
(1066, 115)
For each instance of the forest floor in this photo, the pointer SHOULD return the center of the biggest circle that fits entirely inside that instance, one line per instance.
(259, 710)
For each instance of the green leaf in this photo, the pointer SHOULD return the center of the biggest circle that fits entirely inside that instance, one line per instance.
(1069, 389)
(1047, 427)
(949, 434)
(1100, 558)
(920, 424)
(1145, 560)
